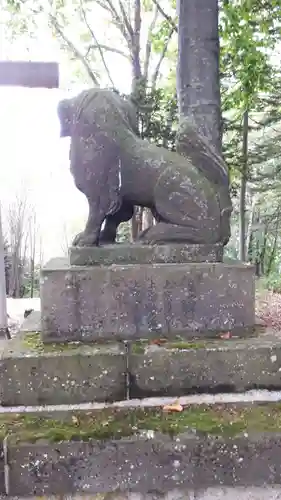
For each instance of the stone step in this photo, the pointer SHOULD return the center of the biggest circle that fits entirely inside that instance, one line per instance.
(135, 301)
(94, 451)
(33, 373)
(179, 368)
(263, 493)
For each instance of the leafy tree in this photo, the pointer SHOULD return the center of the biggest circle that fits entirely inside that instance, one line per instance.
(249, 30)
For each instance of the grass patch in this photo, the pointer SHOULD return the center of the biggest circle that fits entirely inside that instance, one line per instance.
(32, 341)
(139, 347)
(185, 345)
(219, 420)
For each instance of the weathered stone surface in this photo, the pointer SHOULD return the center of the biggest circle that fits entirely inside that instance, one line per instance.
(187, 461)
(142, 301)
(188, 193)
(200, 447)
(144, 254)
(211, 366)
(34, 374)
(251, 493)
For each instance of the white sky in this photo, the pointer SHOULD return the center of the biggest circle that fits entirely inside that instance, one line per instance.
(34, 159)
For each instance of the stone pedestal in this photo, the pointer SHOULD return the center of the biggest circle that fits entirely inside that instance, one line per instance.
(145, 300)
(144, 254)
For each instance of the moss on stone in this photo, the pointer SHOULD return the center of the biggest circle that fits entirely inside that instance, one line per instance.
(183, 345)
(218, 420)
(32, 341)
(140, 347)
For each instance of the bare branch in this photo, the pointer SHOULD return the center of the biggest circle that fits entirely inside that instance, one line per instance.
(149, 44)
(103, 5)
(107, 48)
(126, 19)
(118, 22)
(97, 43)
(72, 47)
(165, 15)
(161, 59)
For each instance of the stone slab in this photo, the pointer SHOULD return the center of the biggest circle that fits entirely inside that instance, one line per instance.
(29, 74)
(131, 302)
(34, 374)
(192, 459)
(144, 254)
(251, 493)
(206, 367)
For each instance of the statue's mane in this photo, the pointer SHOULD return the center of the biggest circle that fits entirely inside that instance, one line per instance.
(92, 104)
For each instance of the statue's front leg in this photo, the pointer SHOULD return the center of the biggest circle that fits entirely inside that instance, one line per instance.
(90, 235)
(97, 176)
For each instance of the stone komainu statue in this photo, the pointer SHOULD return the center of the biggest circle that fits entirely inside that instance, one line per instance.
(187, 191)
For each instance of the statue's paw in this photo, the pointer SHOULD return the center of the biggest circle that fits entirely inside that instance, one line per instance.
(85, 240)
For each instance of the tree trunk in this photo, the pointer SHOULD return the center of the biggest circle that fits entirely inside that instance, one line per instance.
(3, 301)
(32, 272)
(274, 247)
(263, 251)
(243, 188)
(137, 89)
(136, 223)
(147, 219)
(32, 243)
(249, 239)
(198, 81)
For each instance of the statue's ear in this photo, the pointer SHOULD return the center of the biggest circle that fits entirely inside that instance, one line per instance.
(65, 114)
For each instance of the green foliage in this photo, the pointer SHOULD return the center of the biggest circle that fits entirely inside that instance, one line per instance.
(124, 232)
(272, 282)
(31, 282)
(160, 36)
(158, 117)
(250, 31)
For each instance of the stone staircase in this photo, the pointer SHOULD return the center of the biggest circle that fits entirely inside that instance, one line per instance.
(94, 401)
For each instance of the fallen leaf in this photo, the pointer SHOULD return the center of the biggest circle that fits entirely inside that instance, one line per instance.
(158, 341)
(226, 336)
(176, 406)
